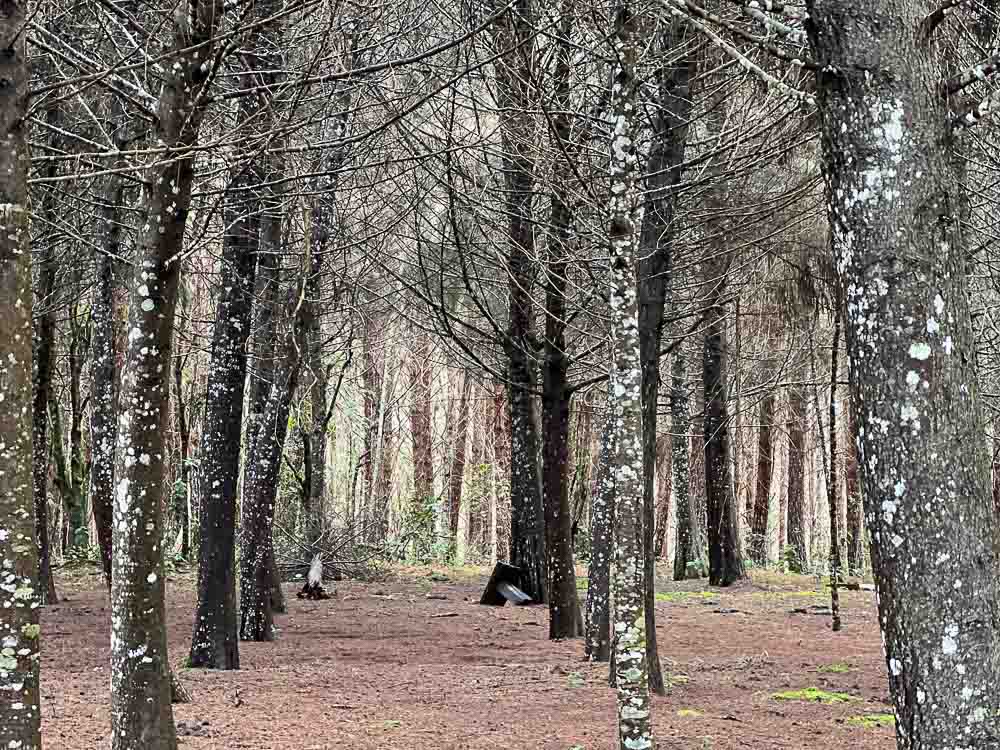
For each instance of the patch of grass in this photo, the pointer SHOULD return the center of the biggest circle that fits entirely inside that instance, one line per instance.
(838, 667)
(680, 596)
(873, 721)
(582, 583)
(814, 695)
(575, 679)
(673, 680)
(689, 713)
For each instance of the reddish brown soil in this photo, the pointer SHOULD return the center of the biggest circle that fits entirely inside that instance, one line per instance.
(383, 666)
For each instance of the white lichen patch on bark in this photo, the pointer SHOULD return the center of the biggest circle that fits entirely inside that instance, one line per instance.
(625, 402)
(20, 596)
(894, 196)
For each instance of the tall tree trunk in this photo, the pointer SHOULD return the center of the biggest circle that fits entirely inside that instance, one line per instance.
(373, 377)
(103, 355)
(583, 461)
(831, 477)
(71, 467)
(43, 335)
(597, 643)
(765, 464)
(322, 220)
(214, 643)
(501, 471)
(264, 374)
(680, 426)
(421, 432)
(564, 607)
(855, 510)
(797, 552)
(631, 544)
(258, 572)
(666, 158)
(995, 467)
(140, 688)
(182, 496)
(892, 190)
(696, 477)
(456, 475)
(514, 70)
(725, 564)
(663, 475)
(316, 433)
(19, 690)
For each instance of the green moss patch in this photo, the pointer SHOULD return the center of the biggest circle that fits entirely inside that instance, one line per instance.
(680, 596)
(838, 667)
(873, 721)
(814, 695)
(674, 680)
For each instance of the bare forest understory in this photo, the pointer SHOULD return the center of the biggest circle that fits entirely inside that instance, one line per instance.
(415, 662)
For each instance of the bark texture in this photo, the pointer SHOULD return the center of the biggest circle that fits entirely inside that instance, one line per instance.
(564, 608)
(597, 644)
(19, 688)
(670, 128)
(762, 497)
(43, 335)
(680, 425)
(141, 713)
(628, 569)
(725, 563)
(900, 257)
(512, 33)
(797, 551)
(855, 509)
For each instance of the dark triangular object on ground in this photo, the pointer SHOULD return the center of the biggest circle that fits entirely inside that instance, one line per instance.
(504, 586)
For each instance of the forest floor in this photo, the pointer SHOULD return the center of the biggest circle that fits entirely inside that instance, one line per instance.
(415, 662)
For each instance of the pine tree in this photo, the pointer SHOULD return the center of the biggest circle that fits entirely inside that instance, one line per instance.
(20, 715)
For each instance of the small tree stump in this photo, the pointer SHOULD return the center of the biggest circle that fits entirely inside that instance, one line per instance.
(313, 588)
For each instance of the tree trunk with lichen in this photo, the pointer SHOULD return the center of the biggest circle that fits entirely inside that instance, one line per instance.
(680, 425)
(855, 510)
(565, 619)
(103, 355)
(43, 340)
(597, 643)
(260, 485)
(214, 642)
(670, 129)
(628, 568)
(512, 34)
(900, 257)
(142, 718)
(19, 630)
(663, 476)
